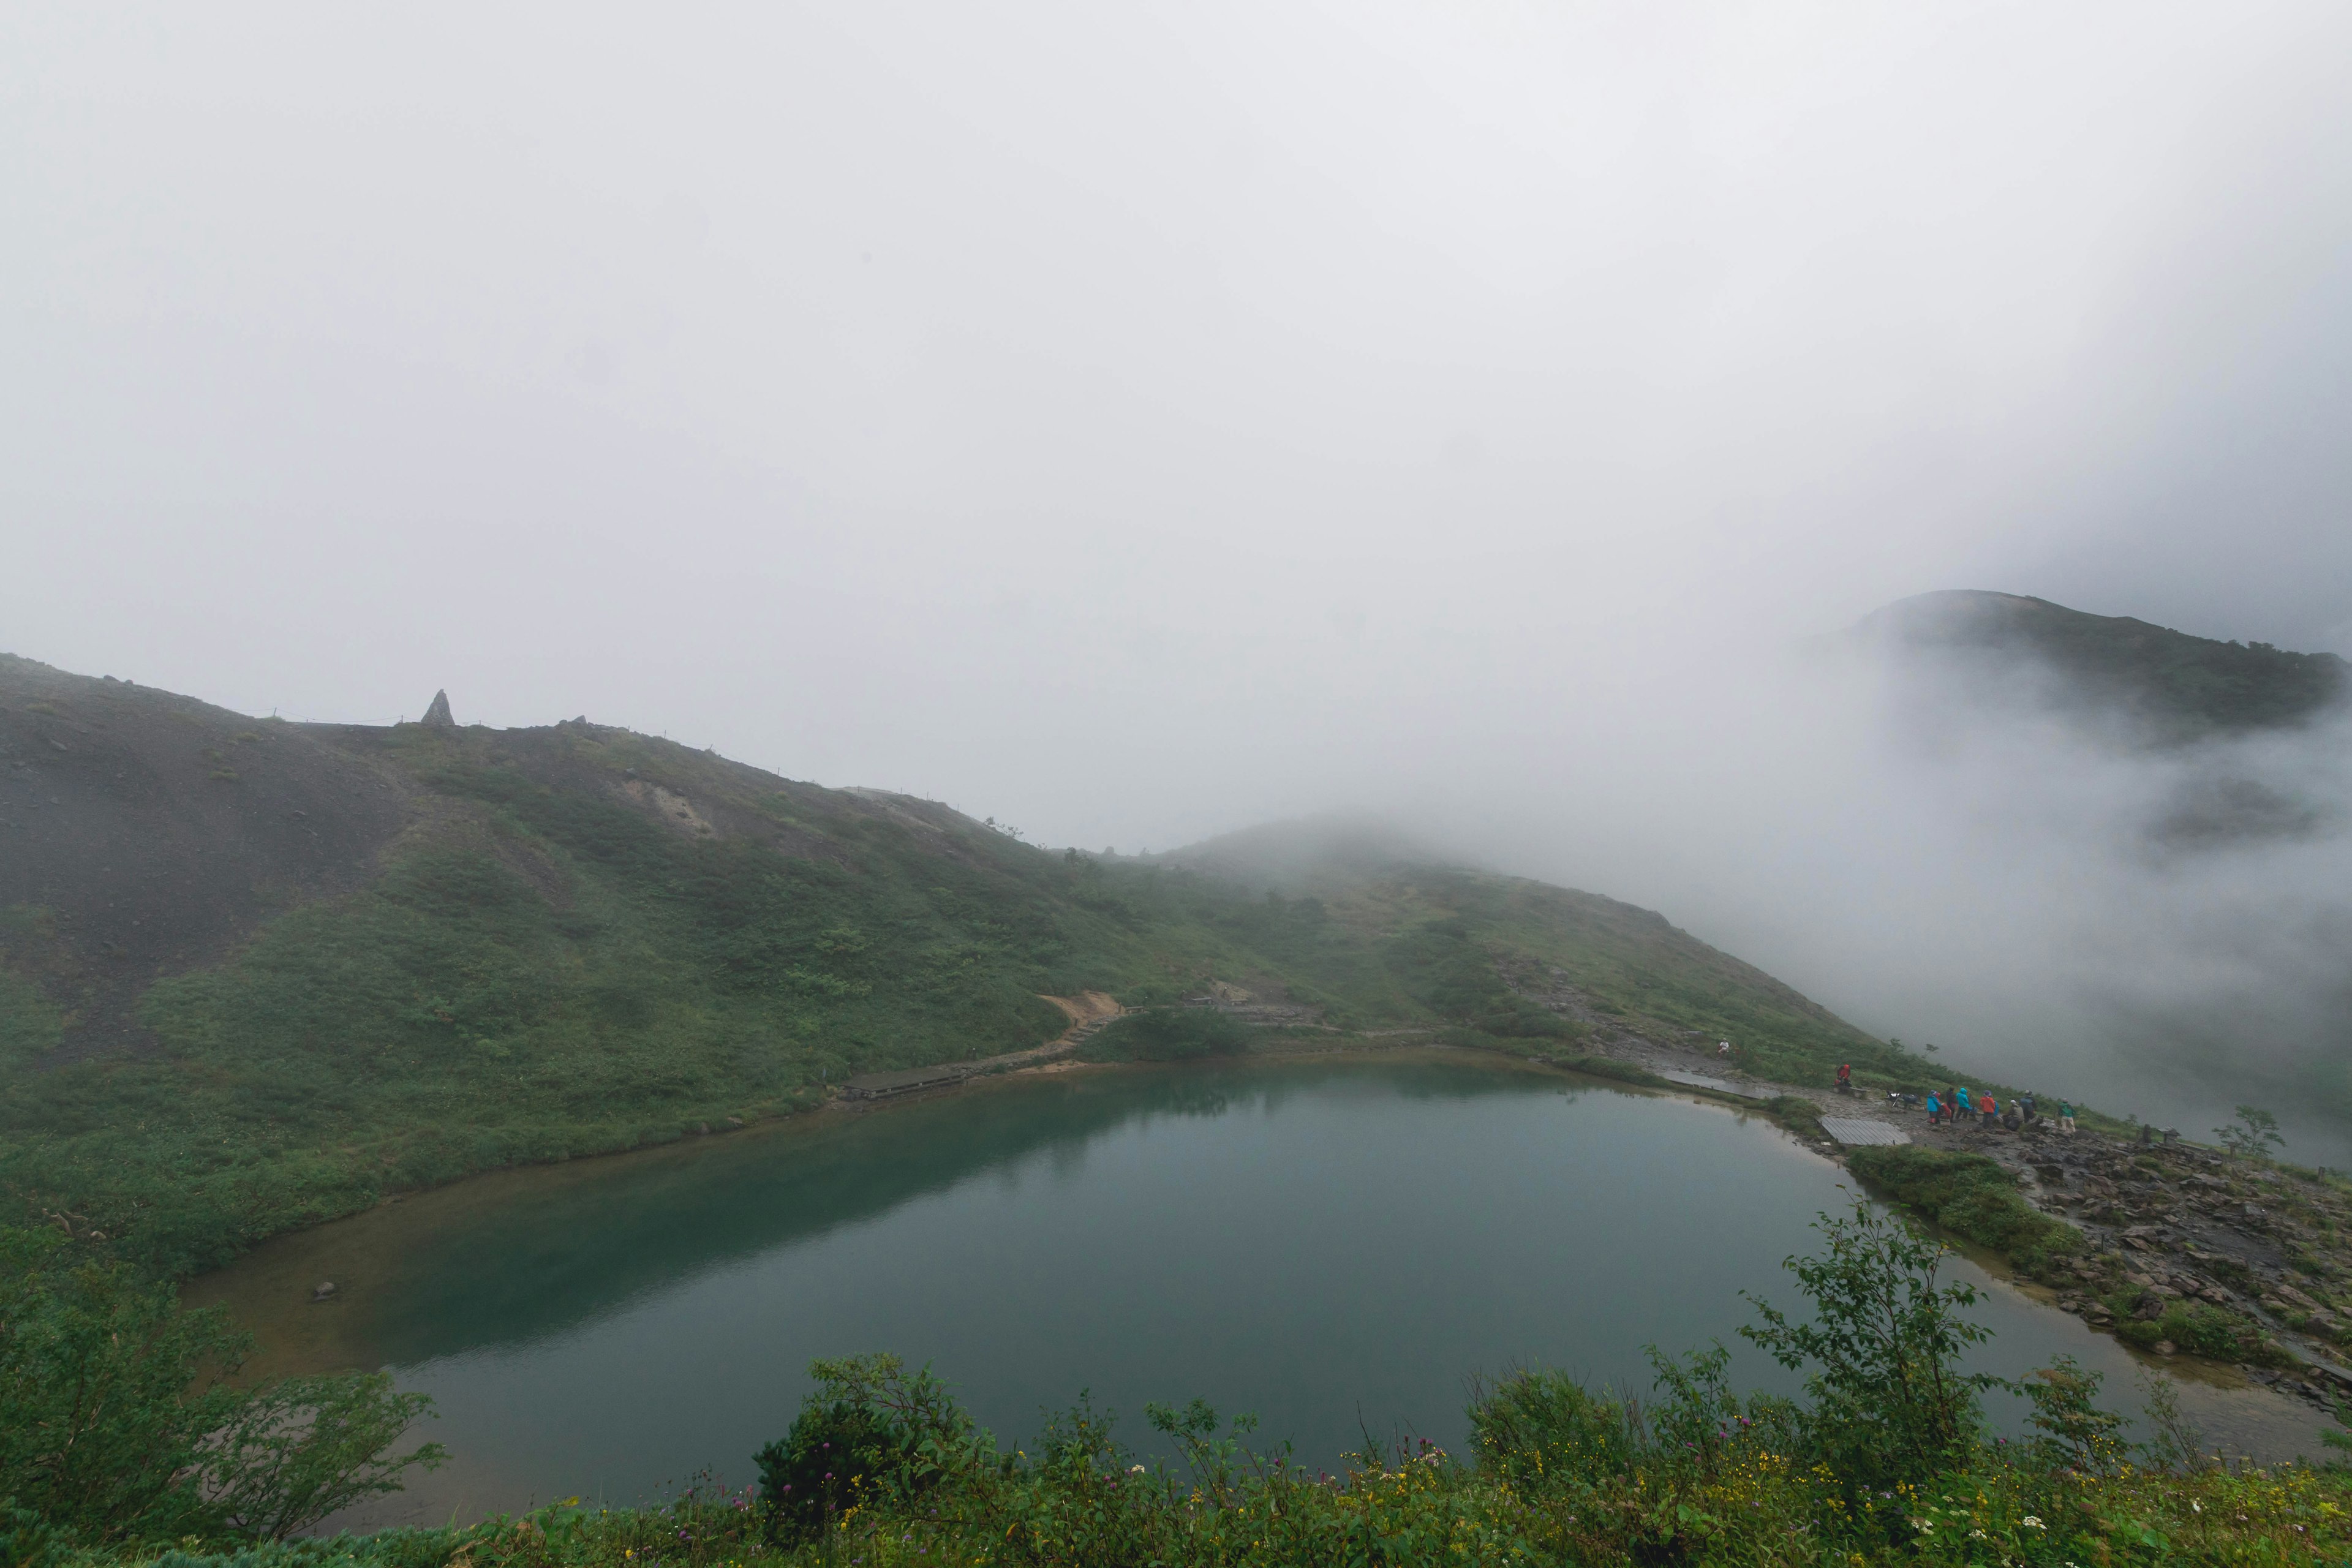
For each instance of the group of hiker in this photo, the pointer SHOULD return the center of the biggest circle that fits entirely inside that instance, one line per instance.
(1956, 1106)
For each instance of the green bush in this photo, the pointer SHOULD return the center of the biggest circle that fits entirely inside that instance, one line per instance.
(871, 1428)
(1169, 1035)
(1798, 1114)
(1624, 1072)
(1884, 1342)
(2196, 1328)
(120, 1424)
(1969, 1195)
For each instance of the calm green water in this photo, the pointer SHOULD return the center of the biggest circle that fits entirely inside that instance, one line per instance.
(1332, 1244)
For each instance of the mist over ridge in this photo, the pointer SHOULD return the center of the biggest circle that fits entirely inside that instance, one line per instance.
(1974, 846)
(1137, 427)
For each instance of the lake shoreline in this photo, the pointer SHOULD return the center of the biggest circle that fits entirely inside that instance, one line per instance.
(521, 1249)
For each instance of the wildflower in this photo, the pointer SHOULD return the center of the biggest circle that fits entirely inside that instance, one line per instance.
(2034, 1523)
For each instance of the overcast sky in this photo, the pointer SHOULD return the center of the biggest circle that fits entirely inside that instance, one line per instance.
(1136, 421)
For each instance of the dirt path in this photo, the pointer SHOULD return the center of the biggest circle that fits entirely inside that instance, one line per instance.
(1089, 1011)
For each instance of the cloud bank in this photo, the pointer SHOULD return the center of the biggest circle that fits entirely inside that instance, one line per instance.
(1133, 423)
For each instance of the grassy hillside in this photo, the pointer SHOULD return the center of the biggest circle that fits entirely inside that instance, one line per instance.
(2175, 687)
(389, 957)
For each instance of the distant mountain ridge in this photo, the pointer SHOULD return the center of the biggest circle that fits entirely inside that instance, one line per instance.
(2170, 686)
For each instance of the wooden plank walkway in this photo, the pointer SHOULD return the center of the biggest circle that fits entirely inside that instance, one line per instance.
(1862, 1130)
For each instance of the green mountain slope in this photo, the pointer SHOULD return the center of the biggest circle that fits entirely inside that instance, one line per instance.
(254, 975)
(2169, 685)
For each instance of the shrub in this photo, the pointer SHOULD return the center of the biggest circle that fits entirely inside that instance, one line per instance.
(1169, 1035)
(1538, 1422)
(1624, 1072)
(1798, 1114)
(1969, 1195)
(1514, 1018)
(870, 1429)
(119, 1425)
(1889, 1403)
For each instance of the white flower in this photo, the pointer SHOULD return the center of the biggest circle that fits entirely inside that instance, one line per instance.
(2034, 1523)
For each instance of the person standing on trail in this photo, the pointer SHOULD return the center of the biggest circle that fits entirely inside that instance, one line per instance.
(1934, 1109)
(1845, 1077)
(1990, 1105)
(1723, 1051)
(1960, 1106)
(2065, 1116)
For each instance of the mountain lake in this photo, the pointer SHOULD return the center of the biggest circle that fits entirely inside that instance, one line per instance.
(1339, 1243)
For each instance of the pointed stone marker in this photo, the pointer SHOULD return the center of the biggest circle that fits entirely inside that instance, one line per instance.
(438, 716)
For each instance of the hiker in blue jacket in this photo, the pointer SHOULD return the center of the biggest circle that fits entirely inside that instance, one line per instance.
(1934, 1109)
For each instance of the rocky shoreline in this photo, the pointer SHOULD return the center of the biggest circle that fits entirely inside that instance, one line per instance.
(2169, 1227)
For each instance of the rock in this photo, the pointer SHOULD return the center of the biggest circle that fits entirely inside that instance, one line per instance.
(326, 1288)
(437, 715)
(2150, 1308)
(2164, 1347)
(2289, 1293)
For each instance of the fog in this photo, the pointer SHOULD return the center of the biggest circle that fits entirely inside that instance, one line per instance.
(1133, 423)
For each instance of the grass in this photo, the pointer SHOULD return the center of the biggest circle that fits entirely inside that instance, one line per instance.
(1555, 1474)
(1168, 1035)
(542, 967)
(1972, 1198)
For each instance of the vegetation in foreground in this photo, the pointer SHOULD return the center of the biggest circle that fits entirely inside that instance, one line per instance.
(119, 1423)
(1885, 1458)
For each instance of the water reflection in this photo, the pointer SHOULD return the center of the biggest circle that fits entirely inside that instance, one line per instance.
(1327, 1242)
